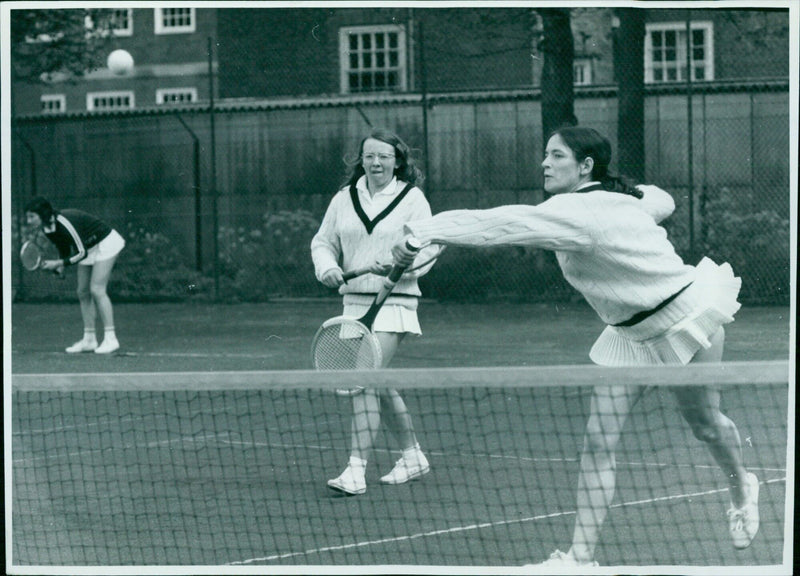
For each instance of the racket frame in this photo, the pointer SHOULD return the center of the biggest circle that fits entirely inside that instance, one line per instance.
(343, 322)
(40, 255)
(59, 272)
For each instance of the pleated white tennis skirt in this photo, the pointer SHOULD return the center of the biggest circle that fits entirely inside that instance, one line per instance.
(398, 314)
(674, 334)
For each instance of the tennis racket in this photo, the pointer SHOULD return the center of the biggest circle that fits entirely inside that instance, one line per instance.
(347, 343)
(32, 256)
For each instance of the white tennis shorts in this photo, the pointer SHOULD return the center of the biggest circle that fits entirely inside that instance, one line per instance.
(108, 247)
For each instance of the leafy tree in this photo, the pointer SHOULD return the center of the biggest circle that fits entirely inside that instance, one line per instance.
(48, 44)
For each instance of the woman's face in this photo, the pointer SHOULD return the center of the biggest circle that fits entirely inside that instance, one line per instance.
(379, 161)
(33, 219)
(562, 171)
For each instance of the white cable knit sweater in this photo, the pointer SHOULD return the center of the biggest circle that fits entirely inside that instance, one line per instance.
(609, 245)
(344, 237)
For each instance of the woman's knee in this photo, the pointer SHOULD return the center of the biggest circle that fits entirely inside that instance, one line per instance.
(707, 434)
(84, 291)
(709, 428)
(98, 291)
(599, 436)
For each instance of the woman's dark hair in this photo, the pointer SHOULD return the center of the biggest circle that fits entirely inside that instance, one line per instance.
(42, 207)
(589, 143)
(407, 169)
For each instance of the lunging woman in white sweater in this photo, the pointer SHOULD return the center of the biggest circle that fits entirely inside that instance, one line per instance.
(659, 310)
(362, 223)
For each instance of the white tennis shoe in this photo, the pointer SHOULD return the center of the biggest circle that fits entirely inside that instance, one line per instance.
(108, 346)
(407, 469)
(559, 558)
(82, 345)
(352, 482)
(743, 522)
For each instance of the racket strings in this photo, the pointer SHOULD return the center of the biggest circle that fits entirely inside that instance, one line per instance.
(31, 255)
(341, 347)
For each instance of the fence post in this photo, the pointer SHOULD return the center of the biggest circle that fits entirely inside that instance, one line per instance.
(690, 134)
(213, 160)
(21, 212)
(198, 208)
(424, 90)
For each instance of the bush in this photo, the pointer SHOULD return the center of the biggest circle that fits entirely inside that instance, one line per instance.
(273, 259)
(502, 273)
(151, 268)
(756, 244)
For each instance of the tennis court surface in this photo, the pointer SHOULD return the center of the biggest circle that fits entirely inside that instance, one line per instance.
(214, 466)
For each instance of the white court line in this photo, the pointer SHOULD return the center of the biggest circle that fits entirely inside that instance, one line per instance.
(225, 438)
(131, 354)
(470, 527)
(82, 426)
(155, 444)
(197, 355)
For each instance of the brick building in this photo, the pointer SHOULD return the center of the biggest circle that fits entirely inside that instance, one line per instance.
(279, 53)
(170, 52)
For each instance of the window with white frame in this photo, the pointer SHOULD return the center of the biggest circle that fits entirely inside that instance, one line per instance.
(53, 103)
(665, 52)
(122, 22)
(582, 71)
(176, 95)
(106, 101)
(372, 59)
(174, 20)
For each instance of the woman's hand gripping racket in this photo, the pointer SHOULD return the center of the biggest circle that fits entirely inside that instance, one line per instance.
(346, 343)
(32, 257)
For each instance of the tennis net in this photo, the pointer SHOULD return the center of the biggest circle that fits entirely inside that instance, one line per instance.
(229, 469)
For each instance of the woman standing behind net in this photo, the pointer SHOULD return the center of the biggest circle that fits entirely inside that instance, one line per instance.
(362, 223)
(659, 310)
(93, 245)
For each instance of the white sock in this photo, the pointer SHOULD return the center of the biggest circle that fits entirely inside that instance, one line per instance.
(89, 335)
(411, 454)
(357, 464)
(109, 333)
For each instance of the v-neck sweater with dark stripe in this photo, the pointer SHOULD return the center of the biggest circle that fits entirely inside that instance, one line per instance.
(349, 236)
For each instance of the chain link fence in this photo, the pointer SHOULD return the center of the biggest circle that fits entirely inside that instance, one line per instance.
(239, 229)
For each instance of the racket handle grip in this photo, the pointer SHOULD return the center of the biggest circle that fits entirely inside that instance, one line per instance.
(396, 272)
